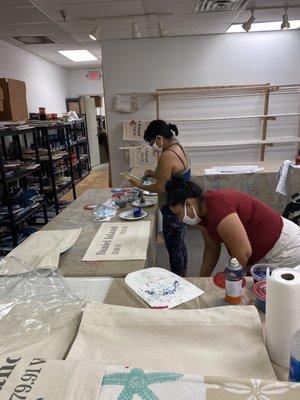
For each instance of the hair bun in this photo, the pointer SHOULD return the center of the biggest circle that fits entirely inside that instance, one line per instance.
(173, 129)
(176, 182)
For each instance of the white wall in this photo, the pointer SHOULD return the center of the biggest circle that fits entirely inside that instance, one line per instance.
(144, 65)
(46, 84)
(81, 85)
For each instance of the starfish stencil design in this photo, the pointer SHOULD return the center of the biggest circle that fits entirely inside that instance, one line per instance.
(137, 381)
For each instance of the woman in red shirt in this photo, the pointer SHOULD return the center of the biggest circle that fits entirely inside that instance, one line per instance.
(251, 231)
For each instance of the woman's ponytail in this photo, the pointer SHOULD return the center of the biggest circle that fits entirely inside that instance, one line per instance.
(173, 129)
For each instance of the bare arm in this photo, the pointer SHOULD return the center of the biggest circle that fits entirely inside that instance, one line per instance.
(235, 237)
(163, 173)
(211, 253)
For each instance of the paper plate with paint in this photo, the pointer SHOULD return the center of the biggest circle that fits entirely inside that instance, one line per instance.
(147, 203)
(146, 193)
(128, 215)
(161, 288)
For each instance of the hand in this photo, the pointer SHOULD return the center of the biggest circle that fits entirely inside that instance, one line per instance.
(135, 183)
(149, 173)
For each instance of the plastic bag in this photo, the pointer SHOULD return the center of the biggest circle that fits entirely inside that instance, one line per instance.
(106, 211)
(37, 310)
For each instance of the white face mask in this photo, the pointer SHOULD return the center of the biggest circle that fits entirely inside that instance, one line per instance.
(155, 147)
(191, 221)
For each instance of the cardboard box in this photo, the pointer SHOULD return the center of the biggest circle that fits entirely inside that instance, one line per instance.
(14, 100)
(98, 101)
(77, 105)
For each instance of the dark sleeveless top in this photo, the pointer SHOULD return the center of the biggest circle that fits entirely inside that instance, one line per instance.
(186, 175)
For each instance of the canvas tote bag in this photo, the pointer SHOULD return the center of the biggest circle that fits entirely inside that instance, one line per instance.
(43, 248)
(36, 378)
(223, 341)
(134, 383)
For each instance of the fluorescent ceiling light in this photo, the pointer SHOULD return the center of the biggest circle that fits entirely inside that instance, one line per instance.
(263, 26)
(78, 55)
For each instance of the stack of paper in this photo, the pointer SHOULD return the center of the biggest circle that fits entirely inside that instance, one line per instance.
(235, 169)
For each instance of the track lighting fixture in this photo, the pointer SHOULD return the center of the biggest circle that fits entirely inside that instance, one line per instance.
(161, 28)
(136, 34)
(285, 20)
(247, 25)
(95, 33)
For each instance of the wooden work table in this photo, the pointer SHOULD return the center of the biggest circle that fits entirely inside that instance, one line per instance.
(262, 184)
(120, 294)
(75, 216)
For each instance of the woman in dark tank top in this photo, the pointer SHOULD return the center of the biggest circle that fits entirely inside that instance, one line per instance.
(172, 160)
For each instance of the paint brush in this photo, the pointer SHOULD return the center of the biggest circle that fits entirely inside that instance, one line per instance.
(142, 200)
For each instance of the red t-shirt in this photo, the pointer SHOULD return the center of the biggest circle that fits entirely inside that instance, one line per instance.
(262, 224)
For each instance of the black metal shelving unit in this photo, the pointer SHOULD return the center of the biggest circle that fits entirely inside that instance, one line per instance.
(44, 141)
(77, 140)
(70, 139)
(47, 145)
(14, 219)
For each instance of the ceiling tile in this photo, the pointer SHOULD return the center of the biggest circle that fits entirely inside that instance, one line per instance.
(198, 19)
(66, 2)
(14, 3)
(169, 6)
(106, 25)
(21, 15)
(273, 3)
(94, 10)
(31, 29)
(83, 38)
(50, 53)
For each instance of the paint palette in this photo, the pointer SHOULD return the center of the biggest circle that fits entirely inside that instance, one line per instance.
(161, 288)
(147, 203)
(128, 215)
(146, 193)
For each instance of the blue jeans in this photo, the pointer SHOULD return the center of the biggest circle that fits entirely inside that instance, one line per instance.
(174, 233)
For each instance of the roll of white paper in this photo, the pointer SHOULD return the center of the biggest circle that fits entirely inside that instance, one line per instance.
(282, 313)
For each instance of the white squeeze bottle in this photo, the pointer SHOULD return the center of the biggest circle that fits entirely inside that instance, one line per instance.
(294, 373)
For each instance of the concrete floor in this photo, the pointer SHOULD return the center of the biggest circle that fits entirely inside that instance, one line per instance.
(98, 178)
(195, 247)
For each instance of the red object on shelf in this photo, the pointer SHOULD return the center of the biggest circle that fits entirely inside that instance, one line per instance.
(219, 280)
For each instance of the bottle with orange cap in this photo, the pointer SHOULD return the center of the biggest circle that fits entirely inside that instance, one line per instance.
(233, 282)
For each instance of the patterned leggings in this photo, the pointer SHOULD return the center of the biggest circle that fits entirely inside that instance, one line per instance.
(174, 233)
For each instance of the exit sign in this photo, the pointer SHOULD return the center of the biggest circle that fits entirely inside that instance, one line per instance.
(94, 75)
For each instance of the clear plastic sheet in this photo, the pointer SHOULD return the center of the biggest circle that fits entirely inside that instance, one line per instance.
(106, 211)
(35, 304)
